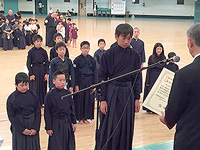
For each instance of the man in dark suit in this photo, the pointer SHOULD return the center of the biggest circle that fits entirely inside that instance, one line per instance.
(183, 107)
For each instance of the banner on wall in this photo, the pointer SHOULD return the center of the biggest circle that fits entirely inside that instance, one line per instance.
(118, 7)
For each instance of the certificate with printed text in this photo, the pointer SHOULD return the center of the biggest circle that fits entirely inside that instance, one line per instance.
(157, 98)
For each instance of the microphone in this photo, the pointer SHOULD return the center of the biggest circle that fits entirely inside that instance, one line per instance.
(175, 59)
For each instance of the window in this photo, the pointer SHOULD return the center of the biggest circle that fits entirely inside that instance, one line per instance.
(66, 0)
(180, 2)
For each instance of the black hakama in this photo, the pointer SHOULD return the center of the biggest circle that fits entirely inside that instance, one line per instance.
(28, 38)
(38, 65)
(120, 96)
(50, 30)
(151, 76)
(1, 32)
(15, 29)
(7, 39)
(7, 44)
(59, 115)
(21, 39)
(85, 76)
(84, 101)
(24, 113)
(1, 39)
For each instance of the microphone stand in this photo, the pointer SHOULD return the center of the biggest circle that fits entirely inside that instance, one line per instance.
(107, 81)
(115, 78)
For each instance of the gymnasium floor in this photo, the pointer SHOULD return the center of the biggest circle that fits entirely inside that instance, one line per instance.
(148, 130)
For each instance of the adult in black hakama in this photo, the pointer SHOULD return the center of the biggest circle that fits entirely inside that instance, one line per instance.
(1, 32)
(7, 38)
(59, 116)
(85, 76)
(21, 39)
(38, 65)
(24, 113)
(152, 75)
(117, 61)
(138, 45)
(50, 29)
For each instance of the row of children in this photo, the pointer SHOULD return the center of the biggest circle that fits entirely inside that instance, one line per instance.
(18, 34)
(25, 116)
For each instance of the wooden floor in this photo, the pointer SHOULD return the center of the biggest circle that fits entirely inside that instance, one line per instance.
(148, 129)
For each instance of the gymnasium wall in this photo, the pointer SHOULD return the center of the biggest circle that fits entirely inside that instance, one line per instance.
(152, 7)
(161, 7)
(26, 6)
(62, 6)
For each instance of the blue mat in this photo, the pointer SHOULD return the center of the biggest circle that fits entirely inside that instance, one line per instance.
(158, 146)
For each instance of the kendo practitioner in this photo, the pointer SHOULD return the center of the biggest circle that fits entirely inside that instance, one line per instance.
(38, 67)
(119, 98)
(24, 114)
(138, 45)
(153, 73)
(10, 17)
(59, 115)
(64, 64)
(85, 76)
(57, 37)
(50, 29)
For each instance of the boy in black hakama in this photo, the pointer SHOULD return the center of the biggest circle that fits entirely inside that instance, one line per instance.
(85, 76)
(63, 64)
(57, 37)
(38, 67)
(59, 115)
(23, 108)
(119, 98)
(50, 29)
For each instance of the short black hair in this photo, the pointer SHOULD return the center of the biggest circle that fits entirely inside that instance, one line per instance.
(56, 73)
(63, 24)
(101, 40)
(171, 54)
(19, 13)
(21, 77)
(69, 19)
(124, 30)
(59, 22)
(56, 35)
(60, 44)
(36, 37)
(84, 43)
(27, 23)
